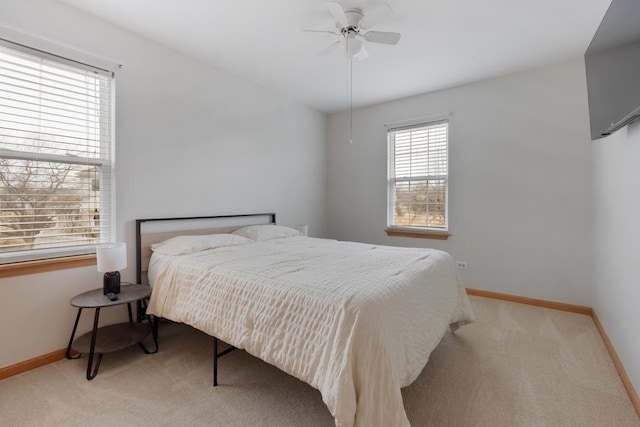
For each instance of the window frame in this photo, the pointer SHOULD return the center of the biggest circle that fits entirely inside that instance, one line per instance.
(41, 260)
(439, 233)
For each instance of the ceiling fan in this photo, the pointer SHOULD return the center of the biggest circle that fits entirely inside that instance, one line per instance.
(352, 26)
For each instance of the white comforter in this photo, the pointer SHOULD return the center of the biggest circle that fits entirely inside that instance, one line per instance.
(355, 321)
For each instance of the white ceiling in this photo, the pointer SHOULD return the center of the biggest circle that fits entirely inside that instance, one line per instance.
(444, 43)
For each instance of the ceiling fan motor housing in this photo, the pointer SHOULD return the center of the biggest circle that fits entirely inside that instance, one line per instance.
(350, 31)
(354, 16)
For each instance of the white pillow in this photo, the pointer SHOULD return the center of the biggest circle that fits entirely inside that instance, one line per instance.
(181, 245)
(266, 232)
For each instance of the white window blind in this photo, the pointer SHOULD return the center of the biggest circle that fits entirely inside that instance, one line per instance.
(55, 155)
(418, 176)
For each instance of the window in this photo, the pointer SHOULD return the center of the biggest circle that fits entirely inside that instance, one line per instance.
(417, 178)
(55, 155)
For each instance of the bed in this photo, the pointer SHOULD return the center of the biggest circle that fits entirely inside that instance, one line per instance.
(355, 321)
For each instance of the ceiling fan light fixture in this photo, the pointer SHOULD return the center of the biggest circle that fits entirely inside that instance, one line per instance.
(353, 46)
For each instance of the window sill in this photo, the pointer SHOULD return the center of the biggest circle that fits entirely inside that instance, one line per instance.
(427, 234)
(43, 265)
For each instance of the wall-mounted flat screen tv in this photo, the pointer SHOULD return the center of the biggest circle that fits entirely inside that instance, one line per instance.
(613, 69)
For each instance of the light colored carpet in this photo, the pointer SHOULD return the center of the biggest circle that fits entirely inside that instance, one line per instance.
(518, 365)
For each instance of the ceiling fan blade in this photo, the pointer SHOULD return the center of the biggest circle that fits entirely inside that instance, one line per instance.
(327, 50)
(333, 33)
(382, 37)
(373, 16)
(338, 13)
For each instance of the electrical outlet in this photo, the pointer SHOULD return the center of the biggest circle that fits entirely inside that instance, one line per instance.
(462, 265)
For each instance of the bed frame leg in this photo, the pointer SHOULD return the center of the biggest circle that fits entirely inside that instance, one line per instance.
(216, 356)
(215, 361)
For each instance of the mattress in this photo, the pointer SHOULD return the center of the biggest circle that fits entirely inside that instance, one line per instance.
(356, 321)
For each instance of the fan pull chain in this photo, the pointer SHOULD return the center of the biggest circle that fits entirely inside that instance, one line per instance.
(349, 90)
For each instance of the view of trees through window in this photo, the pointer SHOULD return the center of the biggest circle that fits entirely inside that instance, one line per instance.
(54, 152)
(420, 203)
(45, 205)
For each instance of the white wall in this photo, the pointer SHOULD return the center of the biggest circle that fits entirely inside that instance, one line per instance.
(520, 192)
(616, 243)
(191, 140)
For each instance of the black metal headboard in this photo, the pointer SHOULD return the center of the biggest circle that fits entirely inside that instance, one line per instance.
(193, 224)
